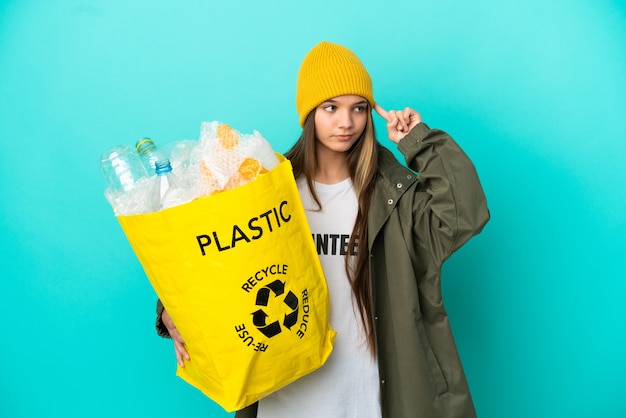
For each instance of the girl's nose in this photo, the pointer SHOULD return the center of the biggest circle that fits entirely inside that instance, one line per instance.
(345, 119)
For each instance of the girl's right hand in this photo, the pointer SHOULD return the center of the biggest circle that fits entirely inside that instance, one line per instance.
(179, 343)
(399, 122)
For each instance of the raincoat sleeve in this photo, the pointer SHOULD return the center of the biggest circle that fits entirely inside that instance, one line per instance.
(450, 206)
(248, 412)
(160, 326)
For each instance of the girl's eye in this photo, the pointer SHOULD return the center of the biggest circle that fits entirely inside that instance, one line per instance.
(359, 109)
(330, 108)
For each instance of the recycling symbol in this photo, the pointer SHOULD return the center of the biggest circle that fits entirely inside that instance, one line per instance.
(289, 301)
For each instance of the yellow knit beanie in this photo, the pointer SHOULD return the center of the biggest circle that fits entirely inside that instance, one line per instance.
(330, 70)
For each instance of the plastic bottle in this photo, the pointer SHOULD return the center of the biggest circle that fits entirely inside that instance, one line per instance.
(148, 154)
(170, 190)
(122, 170)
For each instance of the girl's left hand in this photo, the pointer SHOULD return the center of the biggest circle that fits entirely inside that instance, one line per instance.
(399, 122)
(179, 344)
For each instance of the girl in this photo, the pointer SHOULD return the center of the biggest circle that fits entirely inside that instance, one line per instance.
(394, 354)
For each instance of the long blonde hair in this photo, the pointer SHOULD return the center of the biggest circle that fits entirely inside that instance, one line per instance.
(362, 161)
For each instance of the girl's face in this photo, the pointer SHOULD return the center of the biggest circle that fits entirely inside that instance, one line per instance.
(339, 123)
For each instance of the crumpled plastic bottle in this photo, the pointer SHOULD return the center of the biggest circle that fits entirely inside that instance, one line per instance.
(122, 171)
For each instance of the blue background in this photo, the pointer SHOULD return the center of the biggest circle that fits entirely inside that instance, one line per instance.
(534, 91)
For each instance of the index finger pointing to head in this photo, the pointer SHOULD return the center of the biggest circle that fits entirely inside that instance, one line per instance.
(382, 112)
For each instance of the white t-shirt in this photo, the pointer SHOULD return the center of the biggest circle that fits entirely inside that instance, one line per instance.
(347, 384)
